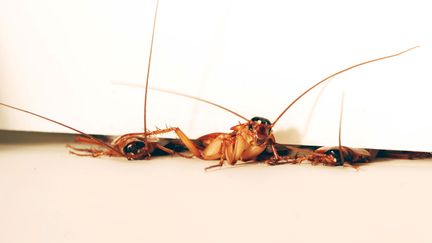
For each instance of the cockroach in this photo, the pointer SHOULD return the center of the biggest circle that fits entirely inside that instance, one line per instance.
(347, 156)
(250, 139)
(131, 146)
(339, 155)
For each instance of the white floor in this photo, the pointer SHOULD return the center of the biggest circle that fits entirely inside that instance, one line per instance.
(48, 195)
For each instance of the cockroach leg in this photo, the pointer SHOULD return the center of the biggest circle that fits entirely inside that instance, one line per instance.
(276, 159)
(172, 152)
(91, 152)
(94, 154)
(221, 159)
(219, 165)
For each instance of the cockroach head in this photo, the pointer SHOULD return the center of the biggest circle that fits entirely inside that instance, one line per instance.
(345, 154)
(261, 128)
(137, 149)
(337, 156)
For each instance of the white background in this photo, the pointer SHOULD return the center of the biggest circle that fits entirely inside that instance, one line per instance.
(59, 59)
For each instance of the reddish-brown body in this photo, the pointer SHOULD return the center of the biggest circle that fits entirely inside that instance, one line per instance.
(245, 142)
(134, 146)
(339, 155)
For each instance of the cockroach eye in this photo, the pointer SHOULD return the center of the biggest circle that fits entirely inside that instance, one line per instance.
(133, 147)
(261, 120)
(337, 155)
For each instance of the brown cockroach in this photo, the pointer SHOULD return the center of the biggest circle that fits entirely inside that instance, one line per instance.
(347, 156)
(131, 146)
(250, 139)
(338, 155)
(342, 155)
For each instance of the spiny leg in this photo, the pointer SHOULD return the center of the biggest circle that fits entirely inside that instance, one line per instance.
(191, 146)
(275, 159)
(221, 160)
(280, 160)
(220, 164)
(88, 152)
(285, 160)
(186, 141)
(172, 152)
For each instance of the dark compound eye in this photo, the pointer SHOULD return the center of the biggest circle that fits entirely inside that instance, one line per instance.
(134, 147)
(336, 154)
(261, 120)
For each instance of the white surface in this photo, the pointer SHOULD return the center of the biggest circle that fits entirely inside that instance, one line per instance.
(48, 195)
(59, 58)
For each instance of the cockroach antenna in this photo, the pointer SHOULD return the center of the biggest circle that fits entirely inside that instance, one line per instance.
(337, 73)
(182, 94)
(199, 99)
(340, 128)
(97, 141)
(148, 69)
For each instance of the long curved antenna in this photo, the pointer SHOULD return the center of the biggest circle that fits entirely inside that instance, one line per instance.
(199, 99)
(340, 128)
(148, 69)
(180, 94)
(69, 127)
(337, 73)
